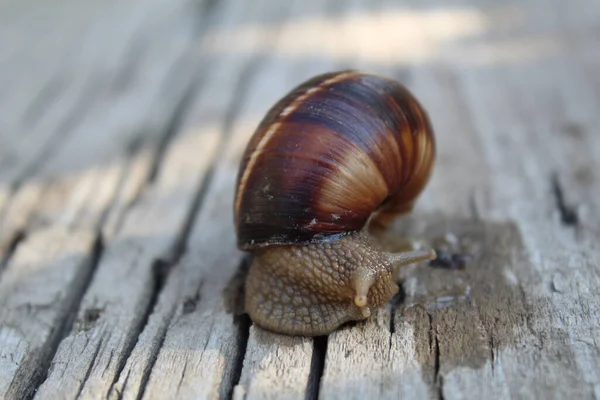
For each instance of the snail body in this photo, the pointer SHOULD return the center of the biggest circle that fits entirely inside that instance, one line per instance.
(339, 153)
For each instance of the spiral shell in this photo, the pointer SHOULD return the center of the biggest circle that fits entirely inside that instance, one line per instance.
(329, 154)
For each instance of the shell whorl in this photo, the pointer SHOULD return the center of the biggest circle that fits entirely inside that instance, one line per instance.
(335, 149)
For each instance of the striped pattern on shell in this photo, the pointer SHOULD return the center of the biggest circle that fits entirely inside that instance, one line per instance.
(337, 148)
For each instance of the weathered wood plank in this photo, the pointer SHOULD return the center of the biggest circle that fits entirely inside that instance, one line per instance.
(88, 193)
(90, 359)
(511, 94)
(202, 343)
(115, 307)
(83, 199)
(43, 281)
(69, 109)
(497, 341)
(554, 249)
(65, 221)
(539, 99)
(210, 115)
(48, 82)
(146, 85)
(78, 195)
(65, 216)
(75, 130)
(275, 367)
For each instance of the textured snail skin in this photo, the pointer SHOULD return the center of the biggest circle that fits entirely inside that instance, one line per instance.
(339, 153)
(309, 290)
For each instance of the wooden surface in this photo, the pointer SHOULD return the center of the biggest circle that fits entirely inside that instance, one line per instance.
(121, 126)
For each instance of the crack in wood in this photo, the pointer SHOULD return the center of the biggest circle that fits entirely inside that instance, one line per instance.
(120, 392)
(234, 302)
(317, 367)
(568, 213)
(19, 237)
(434, 348)
(490, 339)
(153, 357)
(179, 247)
(110, 357)
(174, 255)
(43, 366)
(243, 323)
(162, 268)
(160, 271)
(492, 355)
(430, 335)
(180, 380)
(89, 369)
(395, 302)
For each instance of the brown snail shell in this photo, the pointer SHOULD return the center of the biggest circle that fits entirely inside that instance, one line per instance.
(330, 153)
(336, 152)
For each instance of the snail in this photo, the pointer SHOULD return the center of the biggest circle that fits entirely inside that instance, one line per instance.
(340, 153)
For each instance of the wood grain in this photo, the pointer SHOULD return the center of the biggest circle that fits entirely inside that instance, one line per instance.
(119, 148)
(44, 279)
(132, 265)
(269, 355)
(172, 345)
